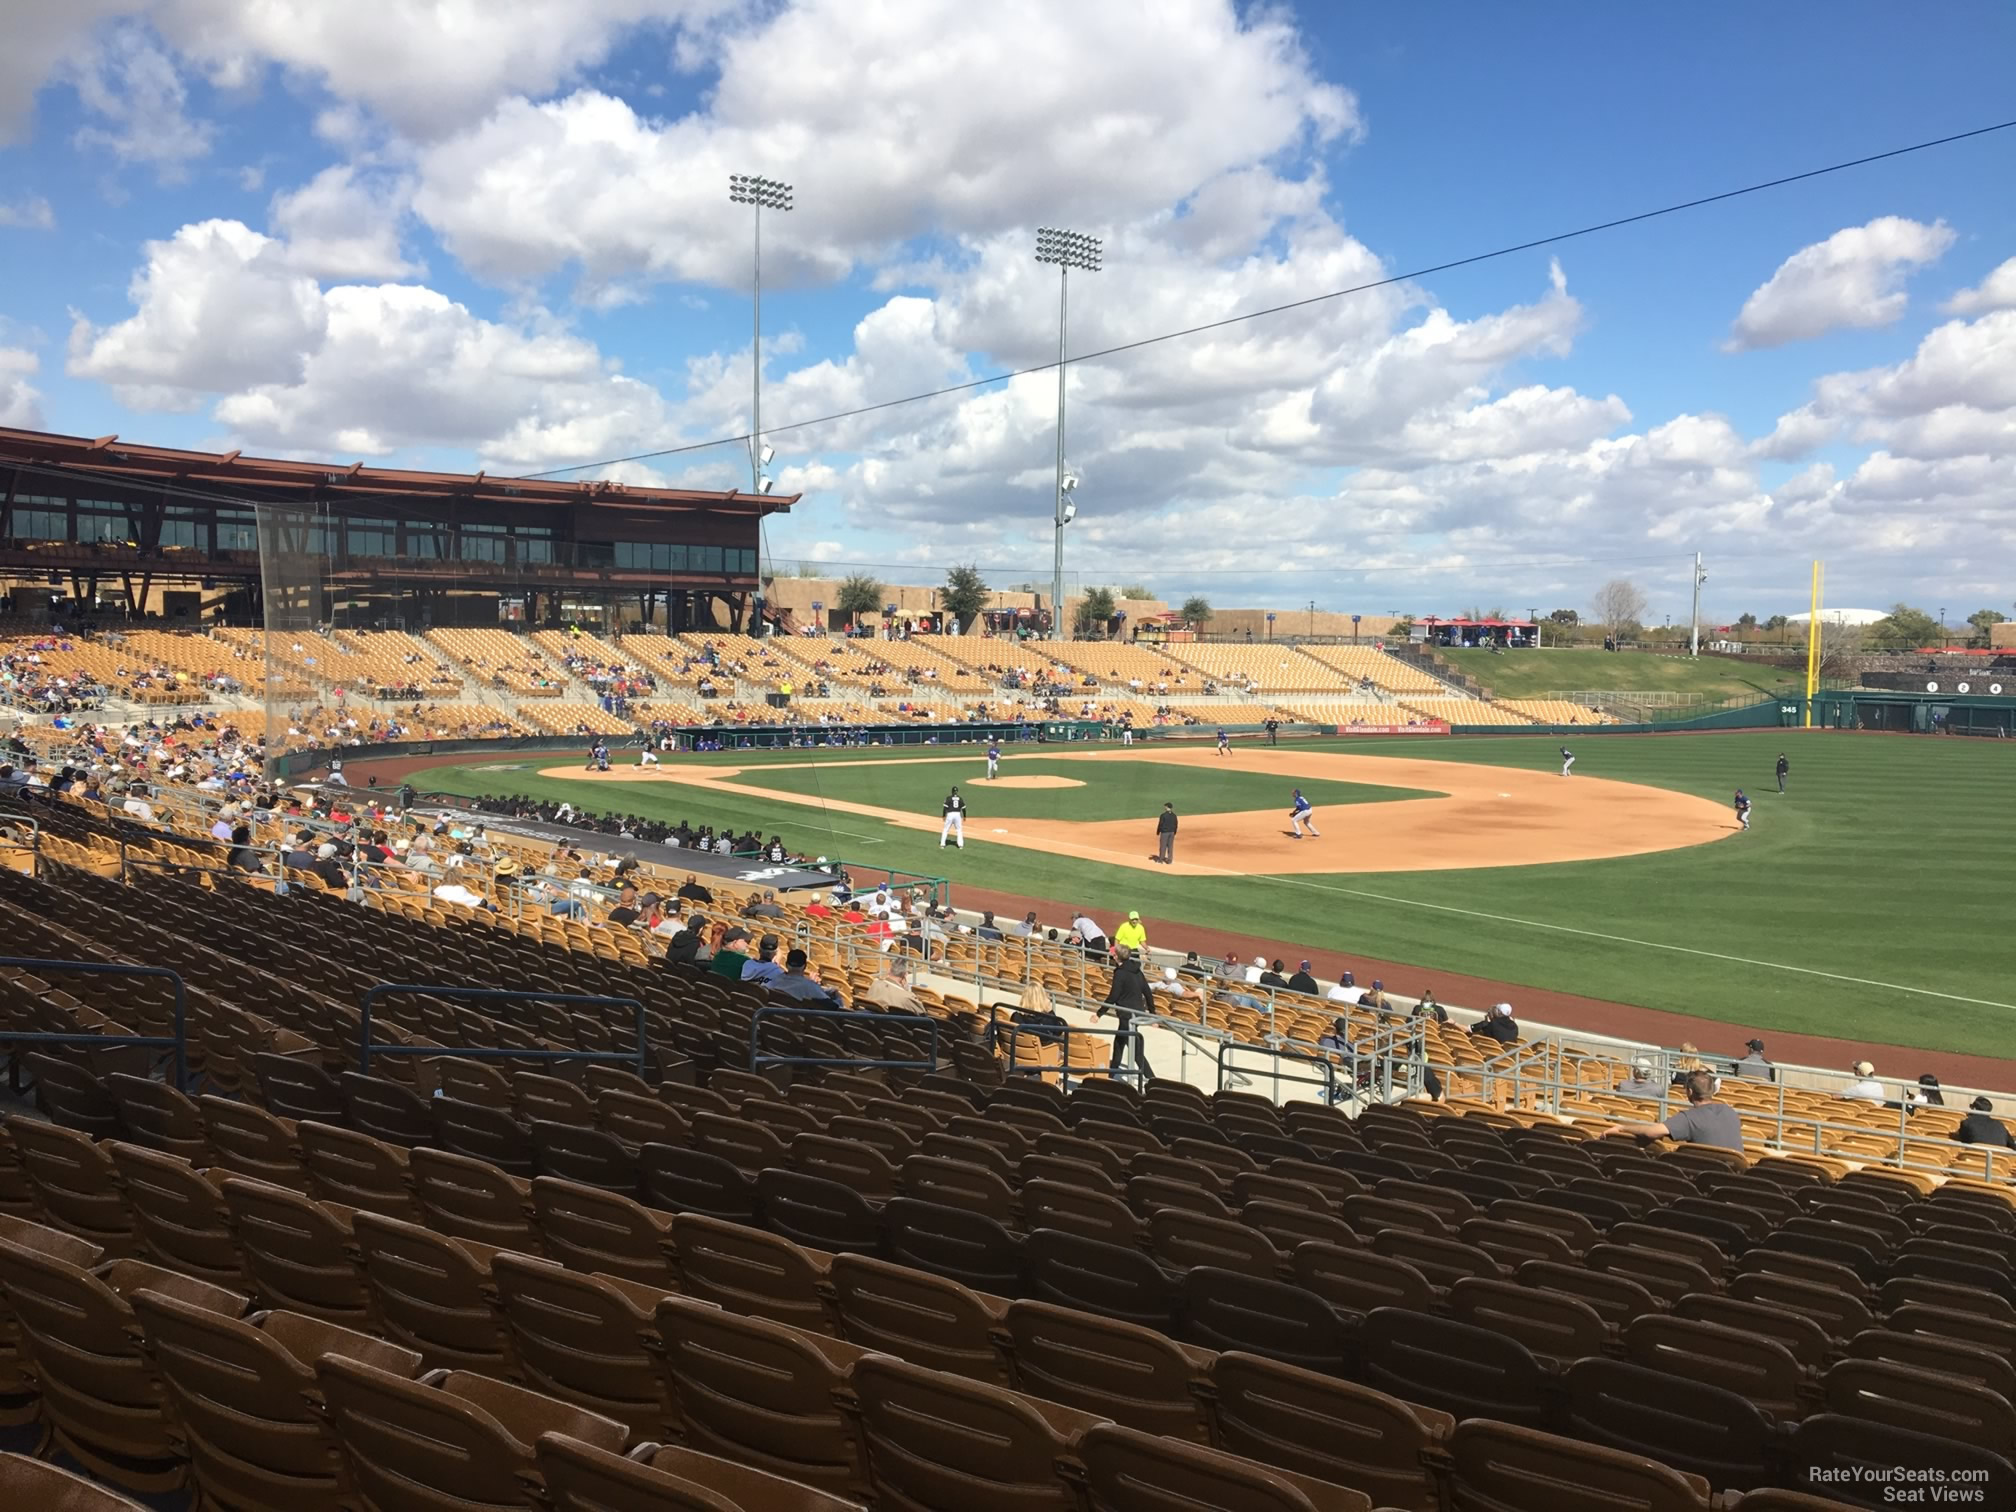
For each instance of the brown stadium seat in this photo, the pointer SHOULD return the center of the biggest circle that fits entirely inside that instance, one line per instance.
(862, 1167)
(480, 1132)
(1751, 1365)
(895, 1142)
(298, 1089)
(748, 1271)
(156, 1115)
(936, 1440)
(978, 1185)
(74, 1184)
(1333, 1430)
(1807, 1341)
(1368, 1213)
(1443, 1260)
(18, 1391)
(1089, 1211)
(385, 1110)
(1497, 1467)
(1923, 1401)
(583, 1154)
(1513, 1244)
(919, 1317)
(1083, 1151)
(1971, 1357)
(746, 1145)
(535, 1096)
(297, 1253)
(180, 1216)
(1667, 1276)
(640, 1120)
(1178, 1240)
(1135, 1376)
(1856, 1459)
(1149, 1193)
(580, 1338)
(589, 1230)
(428, 1292)
(1616, 1299)
(1691, 1426)
(357, 1171)
(29, 1483)
(242, 1393)
(667, 1478)
(1454, 1367)
(455, 1443)
(1129, 1471)
(1224, 1310)
(1843, 1316)
(248, 1141)
(1114, 1281)
(1680, 1243)
(101, 1401)
(824, 1215)
(1357, 1280)
(695, 1181)
(73, 1098)
(955, 1242)
(1551, 1325)
(761, 1394)
(467, 1198)
(996, 1161)
(1288, 1225)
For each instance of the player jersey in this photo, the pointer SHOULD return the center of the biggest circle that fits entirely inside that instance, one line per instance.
(955, 804)
(1302, 804)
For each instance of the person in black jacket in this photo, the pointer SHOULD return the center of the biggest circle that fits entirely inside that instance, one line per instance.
(1165, 835)
(1979, 1127)
(1498, 1024)
(1126, 997)
(685, 947)
(1302, 981)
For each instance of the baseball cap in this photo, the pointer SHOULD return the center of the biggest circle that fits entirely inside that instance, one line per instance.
(1133, 914)
(1305, 965)
(1757, 1045)
(1168, 973)
(1503, 1010)
(1261, 962)
(1863, 1068)
(325, 852)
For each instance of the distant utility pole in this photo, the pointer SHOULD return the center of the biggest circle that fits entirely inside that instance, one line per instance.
(1700, 577)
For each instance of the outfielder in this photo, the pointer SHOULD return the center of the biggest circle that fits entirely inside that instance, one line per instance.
(1784, 770)
(993, 759)
(1303, 812)
(1567, 760)
(954, 827)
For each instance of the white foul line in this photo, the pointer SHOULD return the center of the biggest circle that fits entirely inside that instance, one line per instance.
(1596, 934)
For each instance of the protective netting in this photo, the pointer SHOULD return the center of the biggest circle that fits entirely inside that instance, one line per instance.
(293, 562)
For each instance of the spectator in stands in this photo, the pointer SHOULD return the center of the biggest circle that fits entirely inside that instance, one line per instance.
(763, 967)
(1753, 1066)
(1865, 1087)
(1498, 1024)
(1028, 927)
(626, 912)
(1376, 998)
(1272, 977)
(330, 870)
(692, 889)
(1347, 989)
(1643, 1080)
(1929, 1093)
(1125, 997)
(689, 946)
(1302, 981)
(766, 907)
(796, 982)
(1704, 1120)
(987, 929)
(1132, 935)
(1980, 1127)
(1192, 967)
(243, 857)
(1427, 1008)
(1091, 938)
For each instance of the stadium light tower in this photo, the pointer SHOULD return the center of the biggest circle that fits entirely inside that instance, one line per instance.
(759, 194)
(1068, 250)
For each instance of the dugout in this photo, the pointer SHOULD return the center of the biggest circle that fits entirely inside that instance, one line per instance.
(1937, 709)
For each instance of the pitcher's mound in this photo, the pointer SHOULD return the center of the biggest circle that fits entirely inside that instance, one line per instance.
(1026, 782)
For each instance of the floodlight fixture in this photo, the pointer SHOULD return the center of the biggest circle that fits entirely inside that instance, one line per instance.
(1065, 250)
(759, 194)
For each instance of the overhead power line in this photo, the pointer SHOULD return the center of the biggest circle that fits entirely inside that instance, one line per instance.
(1554, 239)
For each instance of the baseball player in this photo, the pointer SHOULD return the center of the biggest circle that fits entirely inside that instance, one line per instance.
(1303, 812)
(1784, 771)
(1567, 760)
(1224, 743)
(1742, 809)
(993, 759)
(954, 827)
(1127, 729)
(647, 757)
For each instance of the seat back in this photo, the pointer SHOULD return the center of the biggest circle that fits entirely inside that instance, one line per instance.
(26, 1482)
(695, 1181)
(481, 1132)
(180, 1217)
(74, 1184)
(1113, 1281)
(954, 1242)
(248, 1141)
(748, 1271)
(159, 1117)
(1132, 1375)
(1224, 1309)
(467, 1198)
(385, 1110)
(1553, 1326)
(428, 1293)
(297, 1089)
(583, 1154)
(1751, 1365)
(1130, 1471)
(810, 1210)
(926, 1319)
(580, 1338)
(586, 1229)
(1701, 1429)
(296, 1253)
(1924, 1401)
(1454, 1367)
(357, 1170)
(1502, 1468)
(1180, 1239)
(580, 1478)
(1085, 1210)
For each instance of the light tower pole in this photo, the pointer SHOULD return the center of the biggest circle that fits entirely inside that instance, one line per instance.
(759, 194)
(1068, 250)
(1700, 577)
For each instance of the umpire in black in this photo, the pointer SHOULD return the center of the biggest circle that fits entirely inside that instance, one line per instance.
(1126, 997)
(1165, 835)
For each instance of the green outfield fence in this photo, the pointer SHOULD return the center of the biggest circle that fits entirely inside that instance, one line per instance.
(1940, 710)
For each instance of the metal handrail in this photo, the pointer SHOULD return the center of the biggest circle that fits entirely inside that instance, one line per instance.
(177, 1043)
(757, 1059)
(640, 1057)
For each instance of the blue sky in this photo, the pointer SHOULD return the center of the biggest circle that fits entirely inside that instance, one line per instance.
(499, 237)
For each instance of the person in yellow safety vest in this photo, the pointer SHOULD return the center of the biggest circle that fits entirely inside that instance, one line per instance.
(1132, 934)
(785, 688)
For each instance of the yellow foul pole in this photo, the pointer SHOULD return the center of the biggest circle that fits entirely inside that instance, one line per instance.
(1813, 646)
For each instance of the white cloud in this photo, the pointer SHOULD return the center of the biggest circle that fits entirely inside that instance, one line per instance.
(20, 402)
(39, 39)
(33, 214)
(342, 224)
(1854, 278)
(1107, 121)
(139, 105)
(1995, 292)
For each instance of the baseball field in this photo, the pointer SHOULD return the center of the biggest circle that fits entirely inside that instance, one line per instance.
(1869, 902)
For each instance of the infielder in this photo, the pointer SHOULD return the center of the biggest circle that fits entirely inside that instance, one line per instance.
(1224, 744)
(993, 759)
(954, 827)
(1127, 731)
(1567, 760)
(1303, 812)
(1742, 810)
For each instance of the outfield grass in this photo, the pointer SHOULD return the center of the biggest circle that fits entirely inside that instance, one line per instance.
(1871, 901)
(1545, 672)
